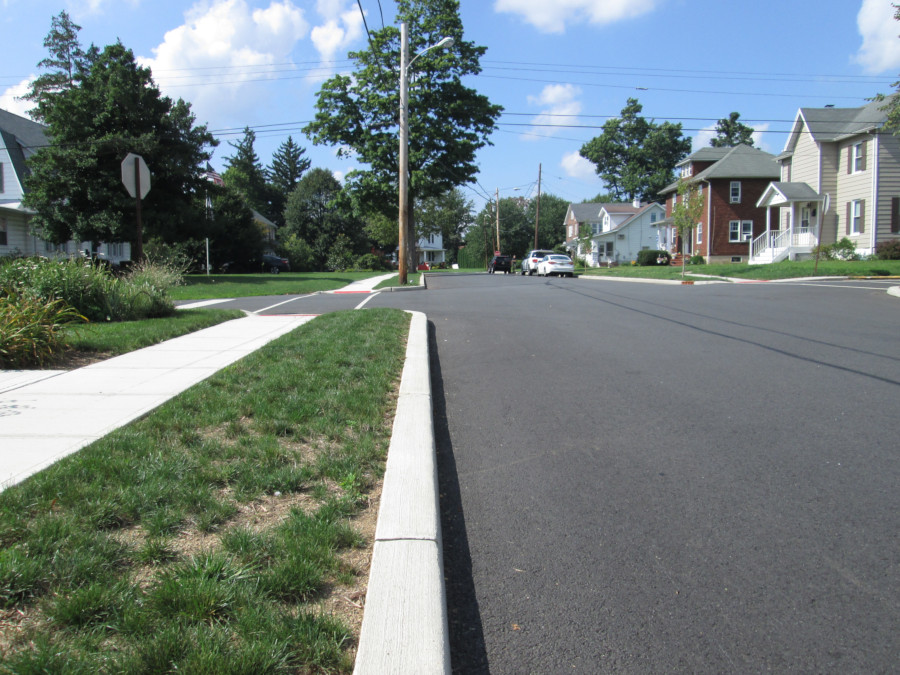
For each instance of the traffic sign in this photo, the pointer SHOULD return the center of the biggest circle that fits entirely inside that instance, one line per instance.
(135, 175)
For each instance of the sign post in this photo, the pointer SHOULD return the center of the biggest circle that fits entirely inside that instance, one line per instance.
(136, 179)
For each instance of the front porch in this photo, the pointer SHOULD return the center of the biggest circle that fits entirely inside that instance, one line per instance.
(801, 235)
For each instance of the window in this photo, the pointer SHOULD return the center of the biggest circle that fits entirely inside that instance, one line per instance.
(735, 192)
(609, 249)
(856, 213)
(740, 230)
(3, 240)
(856, 161)
(700, 233)
(595, 228)
(653, 217)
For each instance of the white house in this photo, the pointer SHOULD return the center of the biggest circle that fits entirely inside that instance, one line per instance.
(840, 177)
(430, 250)
(19, 139)
(626, 229)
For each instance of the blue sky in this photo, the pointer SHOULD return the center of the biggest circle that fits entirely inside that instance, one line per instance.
(558, 67)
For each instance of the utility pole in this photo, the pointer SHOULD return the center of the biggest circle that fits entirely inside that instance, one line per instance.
(404, 159)
(498, 221)
(537, 218)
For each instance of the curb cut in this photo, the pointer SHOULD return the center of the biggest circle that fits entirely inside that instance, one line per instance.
(894, 290)
(404, 628)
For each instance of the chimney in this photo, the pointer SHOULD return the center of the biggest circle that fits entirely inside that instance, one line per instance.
(636, 203)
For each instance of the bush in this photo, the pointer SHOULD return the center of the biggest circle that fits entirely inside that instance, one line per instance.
(888, 250)
(92, 290)
(371, 262)
(839, 250)
(299, 253)
(30, 328)
(697, 260)
(340, 257)
(648, 258)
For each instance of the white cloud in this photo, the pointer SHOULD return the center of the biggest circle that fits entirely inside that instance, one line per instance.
(561, 105)
(225, 34)
(337, 34)
(552, 17)
(577, 166)
(706, 134)
(11, 101)
(880, 50)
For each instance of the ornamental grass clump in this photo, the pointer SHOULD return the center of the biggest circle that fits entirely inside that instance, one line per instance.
(31, 330)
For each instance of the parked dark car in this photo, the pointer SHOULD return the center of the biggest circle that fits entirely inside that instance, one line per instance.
(500, 263)
(275, 264)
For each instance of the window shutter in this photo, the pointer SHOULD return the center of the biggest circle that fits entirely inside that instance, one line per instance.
(862, 216)
(851, 149)
(895, 214)
(849, 217)
(862, 162)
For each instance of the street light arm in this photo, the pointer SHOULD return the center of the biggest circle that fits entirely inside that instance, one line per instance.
(446, 42)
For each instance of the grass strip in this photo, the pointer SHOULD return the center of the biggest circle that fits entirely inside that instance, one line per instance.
(121, 337)
(201, 538)
(781, 270)
(201, 287)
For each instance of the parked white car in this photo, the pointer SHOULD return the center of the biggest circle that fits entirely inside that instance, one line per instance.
(530, 261)
(556, 265)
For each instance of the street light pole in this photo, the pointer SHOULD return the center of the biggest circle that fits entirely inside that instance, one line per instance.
(403, 240)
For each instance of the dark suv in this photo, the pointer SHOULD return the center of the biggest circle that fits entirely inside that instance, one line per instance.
(500, 263)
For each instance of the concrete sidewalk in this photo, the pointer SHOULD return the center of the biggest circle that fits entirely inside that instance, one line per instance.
(46, 415)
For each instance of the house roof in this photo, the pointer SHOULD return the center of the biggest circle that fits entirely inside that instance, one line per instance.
(22, 138)
(784, 193)
(638, 212)
(833, 124)
(741, 161)
(705, 154)
(584, 212)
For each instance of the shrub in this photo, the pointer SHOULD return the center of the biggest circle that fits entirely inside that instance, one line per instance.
(647, 258)
(340, 257)
(697, 260)
(888, 250)
(92, 290)
(30, 328)
(299, 253)
(370, 261)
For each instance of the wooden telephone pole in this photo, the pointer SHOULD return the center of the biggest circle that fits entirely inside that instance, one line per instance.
(537, 218)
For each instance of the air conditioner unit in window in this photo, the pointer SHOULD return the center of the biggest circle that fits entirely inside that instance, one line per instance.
(621, 236)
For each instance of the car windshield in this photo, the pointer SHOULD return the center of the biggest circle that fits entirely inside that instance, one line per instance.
(559, 258)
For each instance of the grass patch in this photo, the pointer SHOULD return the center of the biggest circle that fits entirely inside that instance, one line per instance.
(412, 279)
(122, 337)
(782, 270)
(201, 287)
(206, 537)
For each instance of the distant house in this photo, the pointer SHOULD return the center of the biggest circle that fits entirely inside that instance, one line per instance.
(840, 177)
(431, 250)
(617, 230)
(730, 180)
(20, 138)
(625, 230)
(267, 229)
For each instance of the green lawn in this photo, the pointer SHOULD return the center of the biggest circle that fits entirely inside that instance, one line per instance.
(121, 337)
(202, 287)
(782, 270)
(216, 534)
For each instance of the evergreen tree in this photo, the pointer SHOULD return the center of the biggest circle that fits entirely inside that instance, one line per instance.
(287, 168)
(66, 61)
(115, 108)
(245, 174)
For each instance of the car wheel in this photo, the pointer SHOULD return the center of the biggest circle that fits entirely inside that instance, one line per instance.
(531, 273)
(274, 270)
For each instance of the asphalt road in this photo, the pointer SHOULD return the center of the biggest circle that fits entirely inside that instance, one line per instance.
(647, 478)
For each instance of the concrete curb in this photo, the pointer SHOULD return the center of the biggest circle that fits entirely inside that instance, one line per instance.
(894, 290)
(404, 627)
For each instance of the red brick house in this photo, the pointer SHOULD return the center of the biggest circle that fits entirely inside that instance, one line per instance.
(731, 181)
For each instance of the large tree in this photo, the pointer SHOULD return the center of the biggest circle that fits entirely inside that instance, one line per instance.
(245, 174)
(551, 227)
(115, 108)
(636, 157)
(287, 168)
(66, 61)
(448, 122)
(730, 132)
(318, 213)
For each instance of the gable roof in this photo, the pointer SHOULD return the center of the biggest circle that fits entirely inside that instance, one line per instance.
(584, 212)
(828, 125)
(705, 154)
(21, 137)
(741, 161)
(780, 192)
(633, 217)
